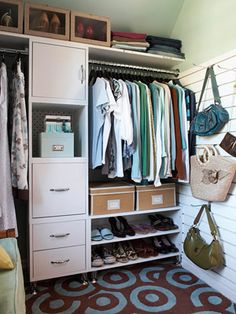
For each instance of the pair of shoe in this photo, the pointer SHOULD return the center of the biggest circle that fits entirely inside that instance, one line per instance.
(124, 228)
(124, 252)
(102, 255)
(101, 234)
(143, 228)
(164, 245)
(162, 223)
(144, 249)
(41, 23)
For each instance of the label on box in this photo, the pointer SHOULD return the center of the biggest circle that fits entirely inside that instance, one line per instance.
(58, 148)
(113, 204)
(157, 199)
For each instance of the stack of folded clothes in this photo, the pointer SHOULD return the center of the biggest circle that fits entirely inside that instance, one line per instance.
(129, 41)
(165, 46)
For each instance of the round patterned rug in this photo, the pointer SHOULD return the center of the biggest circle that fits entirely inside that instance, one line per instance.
(138, 289)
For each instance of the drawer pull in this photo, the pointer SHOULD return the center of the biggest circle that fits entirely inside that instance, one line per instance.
(62, 235)
(60, 262)
(60, 190)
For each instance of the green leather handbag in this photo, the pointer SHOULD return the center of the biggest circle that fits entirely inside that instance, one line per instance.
(206, 256)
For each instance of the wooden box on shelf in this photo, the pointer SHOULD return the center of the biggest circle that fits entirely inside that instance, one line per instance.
(109, 198)
(11, 16)
(151, 197)
(90, 29)
(45, 21)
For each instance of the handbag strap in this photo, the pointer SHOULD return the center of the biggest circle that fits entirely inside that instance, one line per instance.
(211, 223)
(210, 72)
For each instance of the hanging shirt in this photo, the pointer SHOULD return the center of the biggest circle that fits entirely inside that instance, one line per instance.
(19, 147)
(99, 105)
(136, 158)
(107, 120)
(7, 207)
(144, 130)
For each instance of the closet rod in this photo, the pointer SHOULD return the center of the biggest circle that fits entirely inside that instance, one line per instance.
(138, 67)
(10, 50)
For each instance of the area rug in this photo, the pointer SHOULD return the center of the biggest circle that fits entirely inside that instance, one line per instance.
(139, 289)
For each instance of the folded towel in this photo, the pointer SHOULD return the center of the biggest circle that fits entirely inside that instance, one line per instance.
(164, 41)
(132, 43)
(121, 38)
(129, 35)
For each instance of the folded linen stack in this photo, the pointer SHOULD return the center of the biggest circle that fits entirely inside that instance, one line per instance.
(165, 46)
(129, 41)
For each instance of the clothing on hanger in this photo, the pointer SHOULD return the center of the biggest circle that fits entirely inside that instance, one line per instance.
(7, 207)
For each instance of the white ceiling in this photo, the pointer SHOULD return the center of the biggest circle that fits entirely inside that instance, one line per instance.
(155, 17)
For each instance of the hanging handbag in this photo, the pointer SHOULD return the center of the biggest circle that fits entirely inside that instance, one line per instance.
(214, 117)
(211, 175)
(206, 256)
(229, 144)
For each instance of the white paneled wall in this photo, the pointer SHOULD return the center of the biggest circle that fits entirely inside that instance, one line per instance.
(224, 280)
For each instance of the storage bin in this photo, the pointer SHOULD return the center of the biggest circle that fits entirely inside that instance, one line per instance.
(56, 145)
(151, 197)
(109, 198)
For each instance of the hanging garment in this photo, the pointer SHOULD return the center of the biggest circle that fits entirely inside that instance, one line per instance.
(99, 105)
(19, 147)
(7, 208)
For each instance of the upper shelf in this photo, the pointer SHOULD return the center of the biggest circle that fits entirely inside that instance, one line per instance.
(132, 57)
(100, 53)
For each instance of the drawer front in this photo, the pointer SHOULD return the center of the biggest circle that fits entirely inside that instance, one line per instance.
(58, 262)
(112, 203)
(59, 72)
(58, 234)
(59, 189)
(156, 199)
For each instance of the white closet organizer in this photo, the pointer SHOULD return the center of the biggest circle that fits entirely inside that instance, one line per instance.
(59, 221)
(101, 221)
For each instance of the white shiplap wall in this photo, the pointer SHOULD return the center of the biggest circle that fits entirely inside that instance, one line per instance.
(224, 280)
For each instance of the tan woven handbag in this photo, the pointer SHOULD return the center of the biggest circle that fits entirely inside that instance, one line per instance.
(211, 175)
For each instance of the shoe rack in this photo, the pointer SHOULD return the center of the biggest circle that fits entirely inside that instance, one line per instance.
(138, 217)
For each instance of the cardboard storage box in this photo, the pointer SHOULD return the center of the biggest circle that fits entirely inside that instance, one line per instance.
(90, 29)
(56, 145)
(109, 198)
(46, 21)
(11, 16)
(150, 197)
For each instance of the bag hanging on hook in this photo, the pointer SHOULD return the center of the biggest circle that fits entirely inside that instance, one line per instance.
(213, 118)
(211, 175)
(206, 256)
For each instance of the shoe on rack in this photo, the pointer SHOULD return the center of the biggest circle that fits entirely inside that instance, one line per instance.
(119, 253)
(129, 250)
(115, 230)
(140, 248)
(158, 223)
(167, 221)
(159, 246)
(169, 245)
(97, 261)
(126, 227)
(107, 255)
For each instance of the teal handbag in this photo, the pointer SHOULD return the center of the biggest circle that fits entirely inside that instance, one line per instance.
(206, 256)
(213, 118)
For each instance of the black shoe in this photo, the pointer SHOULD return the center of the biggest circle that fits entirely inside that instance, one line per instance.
(126, 227)
(120, 233)
(169, 245)
(159, 246)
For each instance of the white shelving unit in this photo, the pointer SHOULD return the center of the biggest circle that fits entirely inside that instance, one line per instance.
(58, 83)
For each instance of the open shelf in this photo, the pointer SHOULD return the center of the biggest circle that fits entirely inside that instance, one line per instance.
(139, 260)
(132, 57)
(137, 236)
(136, 212)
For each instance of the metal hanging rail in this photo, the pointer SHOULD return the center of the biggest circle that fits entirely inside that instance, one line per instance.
(137, 67)
(15, 51)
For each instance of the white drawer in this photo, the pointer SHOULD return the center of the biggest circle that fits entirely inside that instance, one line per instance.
(58, 234)
(59, 189)
(58, 262)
